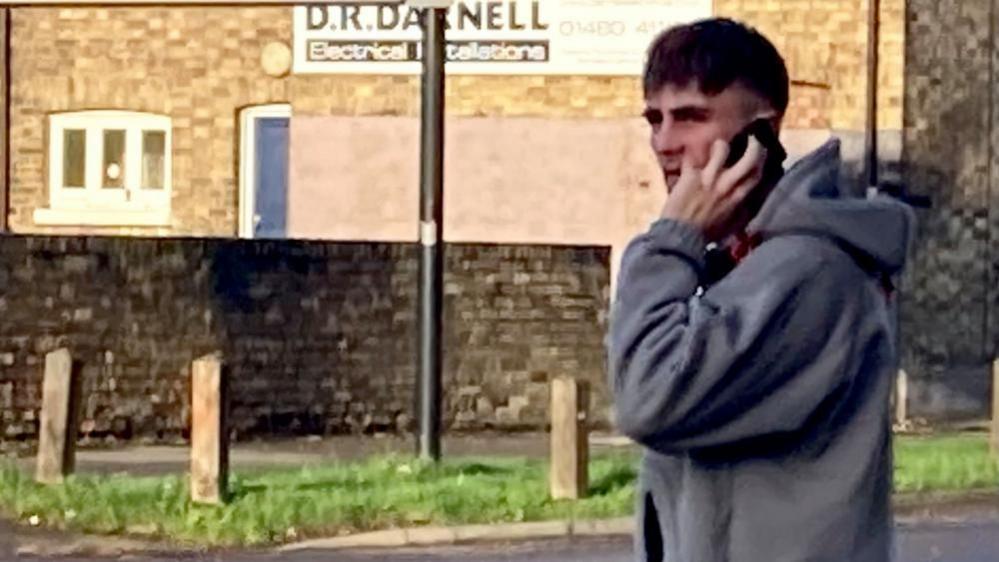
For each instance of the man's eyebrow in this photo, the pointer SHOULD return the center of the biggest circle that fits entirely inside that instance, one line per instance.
(684, 112)
(689, 111)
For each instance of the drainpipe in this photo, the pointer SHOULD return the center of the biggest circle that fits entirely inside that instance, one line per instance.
(5, 18)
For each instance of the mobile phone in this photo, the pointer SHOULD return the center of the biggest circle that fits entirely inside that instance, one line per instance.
(765, 134)
(773, 167)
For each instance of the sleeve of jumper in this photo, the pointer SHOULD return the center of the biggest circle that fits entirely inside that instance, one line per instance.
(757, 354)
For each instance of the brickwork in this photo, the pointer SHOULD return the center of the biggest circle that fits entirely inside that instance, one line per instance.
(202, 65)
(825, 44)
(320, 336)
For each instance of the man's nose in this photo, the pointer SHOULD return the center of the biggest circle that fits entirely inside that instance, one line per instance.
(665, 140)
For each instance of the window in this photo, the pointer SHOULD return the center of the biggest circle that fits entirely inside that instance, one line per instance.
(108, 168)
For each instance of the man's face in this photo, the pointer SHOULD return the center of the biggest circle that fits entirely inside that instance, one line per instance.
(684, 120)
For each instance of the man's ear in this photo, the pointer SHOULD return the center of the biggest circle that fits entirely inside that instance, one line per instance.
(774, 117)
(776, 121)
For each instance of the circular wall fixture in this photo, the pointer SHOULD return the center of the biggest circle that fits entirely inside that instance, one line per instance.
(276, 59)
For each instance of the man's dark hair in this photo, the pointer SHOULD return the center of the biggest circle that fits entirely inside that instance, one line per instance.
(715, 54)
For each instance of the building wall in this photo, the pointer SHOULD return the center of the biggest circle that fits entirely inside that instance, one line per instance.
(950, 307)
(202, 65)
(507, 180)
(320, 337)
(825, 44)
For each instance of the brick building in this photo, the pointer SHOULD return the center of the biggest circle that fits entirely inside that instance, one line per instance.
(530, 158)
(162, 123)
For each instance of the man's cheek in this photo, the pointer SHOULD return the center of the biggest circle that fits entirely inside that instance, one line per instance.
(701, 156)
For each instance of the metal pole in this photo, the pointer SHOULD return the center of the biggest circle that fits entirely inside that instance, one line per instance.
(871, 148)
(431, 230)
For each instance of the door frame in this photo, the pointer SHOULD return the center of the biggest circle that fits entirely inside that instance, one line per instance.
(248, 159)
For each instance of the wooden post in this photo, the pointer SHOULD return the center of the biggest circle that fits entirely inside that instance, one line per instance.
(59, 424)
(569, 478)
(902, 398)
(209, 435)
(994, 437)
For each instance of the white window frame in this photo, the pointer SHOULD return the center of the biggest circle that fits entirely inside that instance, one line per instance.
(248, 160)
(91, 204)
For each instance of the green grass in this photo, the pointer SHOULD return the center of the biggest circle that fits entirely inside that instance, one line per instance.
(281, 505)
(951, 463)
(278, 506)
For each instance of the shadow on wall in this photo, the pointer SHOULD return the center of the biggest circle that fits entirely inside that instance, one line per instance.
(317, 335)
(322, 337)
(947, 307)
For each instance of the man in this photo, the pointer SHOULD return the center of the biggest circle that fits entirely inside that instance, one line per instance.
(761, 394)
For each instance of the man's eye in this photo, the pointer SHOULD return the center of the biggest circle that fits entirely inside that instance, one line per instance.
(653, 116)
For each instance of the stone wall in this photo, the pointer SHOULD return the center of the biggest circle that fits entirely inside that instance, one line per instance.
(320, 336)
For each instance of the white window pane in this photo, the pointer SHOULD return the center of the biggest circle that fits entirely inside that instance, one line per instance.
(114, 159)
(153, 159)
(74, 157)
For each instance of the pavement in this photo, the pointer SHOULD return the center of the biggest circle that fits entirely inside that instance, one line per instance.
(975, 541)
(155, 460)
(944, 515)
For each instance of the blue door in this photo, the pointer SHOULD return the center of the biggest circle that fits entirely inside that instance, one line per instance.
(271, 189)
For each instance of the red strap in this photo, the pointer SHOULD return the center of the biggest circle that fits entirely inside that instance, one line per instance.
(744, 244)
(887, 286)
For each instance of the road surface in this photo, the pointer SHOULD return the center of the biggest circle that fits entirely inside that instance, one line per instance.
(966, 542)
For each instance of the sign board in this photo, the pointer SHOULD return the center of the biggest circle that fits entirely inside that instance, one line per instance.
(580, 37)
(170, 3)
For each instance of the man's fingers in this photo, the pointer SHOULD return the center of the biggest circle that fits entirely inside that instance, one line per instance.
(687, 164)
(716, 159)
(688, 174)
(747, 185)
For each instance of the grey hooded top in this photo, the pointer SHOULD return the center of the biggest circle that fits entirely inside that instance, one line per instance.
(763, 402)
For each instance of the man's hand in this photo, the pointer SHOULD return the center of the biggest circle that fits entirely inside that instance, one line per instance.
(709, 198)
